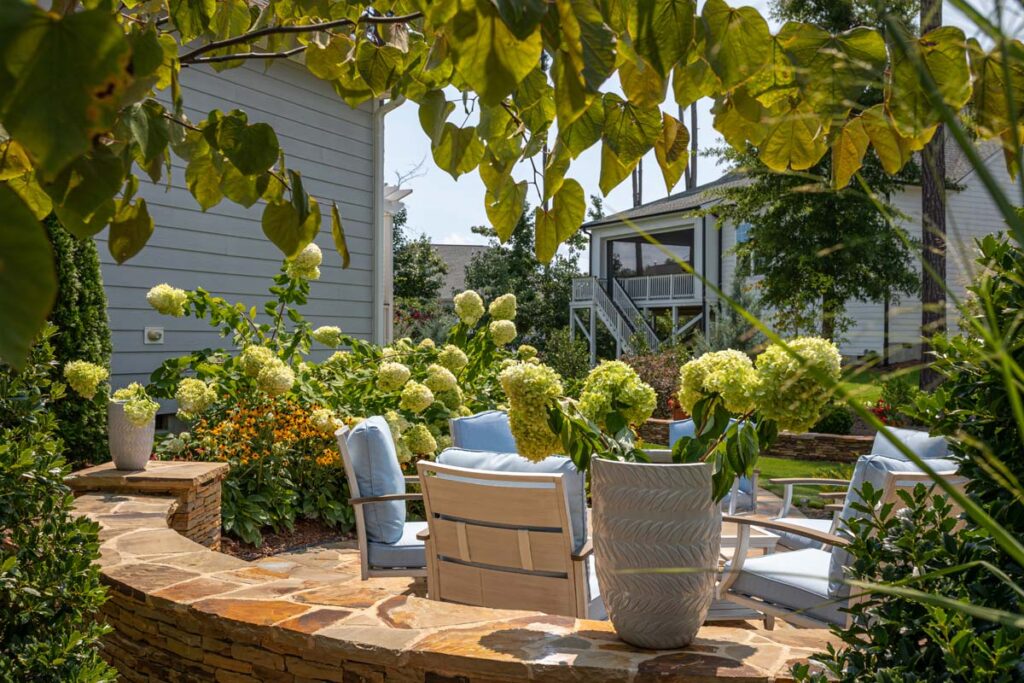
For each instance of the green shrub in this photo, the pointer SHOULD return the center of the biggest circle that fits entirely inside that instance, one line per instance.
(570, 358)
(49, 587)
(661, 371)
(899, 394)
(895, 639)
(80, 314)
(836, 419)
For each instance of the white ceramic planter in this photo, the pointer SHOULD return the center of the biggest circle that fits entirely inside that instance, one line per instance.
(130, 445)
(652, 516)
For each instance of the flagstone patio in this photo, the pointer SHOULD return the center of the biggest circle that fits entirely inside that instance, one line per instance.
(183, 612)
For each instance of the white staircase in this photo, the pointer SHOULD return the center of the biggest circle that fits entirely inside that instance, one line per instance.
(617, 313)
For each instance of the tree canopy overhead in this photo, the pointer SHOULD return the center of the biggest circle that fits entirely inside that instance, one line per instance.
(80, 121)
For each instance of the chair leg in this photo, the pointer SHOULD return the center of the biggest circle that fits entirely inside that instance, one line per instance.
(769, 622)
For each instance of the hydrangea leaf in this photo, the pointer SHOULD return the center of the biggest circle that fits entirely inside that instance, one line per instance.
(27, 277)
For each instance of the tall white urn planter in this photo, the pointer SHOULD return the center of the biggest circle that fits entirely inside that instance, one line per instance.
(649, 516)
(130, 444)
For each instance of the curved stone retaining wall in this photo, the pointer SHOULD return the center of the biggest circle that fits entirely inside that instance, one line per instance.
(182, 612)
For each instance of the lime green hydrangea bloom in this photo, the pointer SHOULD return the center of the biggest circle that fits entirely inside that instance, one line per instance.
(254, 358)
(194, 396)
(440, 378)
(426, 343)
(729, 373)
(392, 376)
(789, 393)
(420, 441)
(167, 300)
(85, 377)
(139, 408)
(275, 378)
(306, 264)
(415, 397)
(452, 357)
(398, 425)
(526, 352)
(328, 335)
(451, 399)
(469, 307)
(530, 388)
(503, 308)
(615, 386)
(338, 358)
(324, 420)
(502, 331)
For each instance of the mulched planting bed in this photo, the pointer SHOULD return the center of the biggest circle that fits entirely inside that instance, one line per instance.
(306, 532)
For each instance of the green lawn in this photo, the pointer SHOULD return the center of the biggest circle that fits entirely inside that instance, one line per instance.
(865, 384)
(778, 468)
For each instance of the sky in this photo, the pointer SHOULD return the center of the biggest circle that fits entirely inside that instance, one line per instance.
(446, 209)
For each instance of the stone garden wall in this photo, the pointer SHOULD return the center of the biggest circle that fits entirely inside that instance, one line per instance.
(181, 612)
(810, 446)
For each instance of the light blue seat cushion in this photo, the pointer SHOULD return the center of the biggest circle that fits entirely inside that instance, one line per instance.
(680, 428)
(486, 431)
(406, 552)
(512, 462)
(923, 445)
(871, 469)
(378, 473)
(744, 499)
(796, 581)
(796, 542)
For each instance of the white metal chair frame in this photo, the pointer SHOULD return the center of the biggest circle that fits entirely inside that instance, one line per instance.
(358, 501)
(894, 482)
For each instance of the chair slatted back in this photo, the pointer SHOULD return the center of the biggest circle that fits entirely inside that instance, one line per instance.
(501, 539)
(906, 481)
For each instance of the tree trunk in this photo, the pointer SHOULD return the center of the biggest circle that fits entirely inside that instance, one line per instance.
(933, 218)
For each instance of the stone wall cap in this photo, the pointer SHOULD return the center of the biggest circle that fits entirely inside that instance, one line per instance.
(158, 475)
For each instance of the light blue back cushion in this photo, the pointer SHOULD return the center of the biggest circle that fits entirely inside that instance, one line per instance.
(486, 431)
(378, 473)
(870, 469)
(573, 479)
(680, 428)
(927, 447)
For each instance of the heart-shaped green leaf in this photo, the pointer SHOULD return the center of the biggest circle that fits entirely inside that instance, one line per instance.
(671, 150)
(129, 231)
(504, 205)
(738, 43)
(554, 226)
(664, 31)
(251, 148)
(458, 150)
(283, 227)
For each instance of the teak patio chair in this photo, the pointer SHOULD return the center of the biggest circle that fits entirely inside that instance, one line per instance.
(504, 540)
(377, 488)
(805, 587)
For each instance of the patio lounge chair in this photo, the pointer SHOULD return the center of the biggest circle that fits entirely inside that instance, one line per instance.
(503, 534)
(806, 586)
(743, 495)
(387, 542)
(925, 446)
(486, 431)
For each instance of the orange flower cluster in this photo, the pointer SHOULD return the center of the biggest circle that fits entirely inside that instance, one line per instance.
(249, 433)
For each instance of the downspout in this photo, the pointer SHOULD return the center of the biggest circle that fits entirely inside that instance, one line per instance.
(381, 239)
(704, 267)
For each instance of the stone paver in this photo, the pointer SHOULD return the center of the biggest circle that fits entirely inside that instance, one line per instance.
(184, 612)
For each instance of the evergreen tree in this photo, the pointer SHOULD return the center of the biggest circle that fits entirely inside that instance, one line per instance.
(83, 333)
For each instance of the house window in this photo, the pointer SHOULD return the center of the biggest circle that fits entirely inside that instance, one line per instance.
(635, 256)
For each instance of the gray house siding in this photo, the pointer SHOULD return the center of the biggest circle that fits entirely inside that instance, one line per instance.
(224, 250)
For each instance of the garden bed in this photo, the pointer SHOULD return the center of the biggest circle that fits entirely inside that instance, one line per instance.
(307, 532)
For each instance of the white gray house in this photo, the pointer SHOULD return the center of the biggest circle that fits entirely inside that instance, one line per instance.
(632, 281)
(340, 153)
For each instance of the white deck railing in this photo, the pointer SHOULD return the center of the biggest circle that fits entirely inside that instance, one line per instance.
(659, 288)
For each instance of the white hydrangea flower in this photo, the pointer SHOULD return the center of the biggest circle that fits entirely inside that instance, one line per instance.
(275, 378)
(328, 335)
(392, 376)
(503, 308)
(502, 331)
(167, 300)
(85, 377)
(306, 263)
(469, 307)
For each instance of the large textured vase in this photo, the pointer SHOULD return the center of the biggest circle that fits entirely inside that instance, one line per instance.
(649, 516)
(130, 444)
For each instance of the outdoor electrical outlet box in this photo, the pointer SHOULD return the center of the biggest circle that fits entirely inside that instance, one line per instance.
(153, 335)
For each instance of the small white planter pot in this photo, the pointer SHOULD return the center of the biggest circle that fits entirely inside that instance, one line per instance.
(649, 516)
(130, 444)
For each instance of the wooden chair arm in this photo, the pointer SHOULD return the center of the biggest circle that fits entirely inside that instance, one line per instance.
(834, 507)
(833, 495)
(384, 499)
(776, 525)
(811, 482)
(423, 535)
(584, 552)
